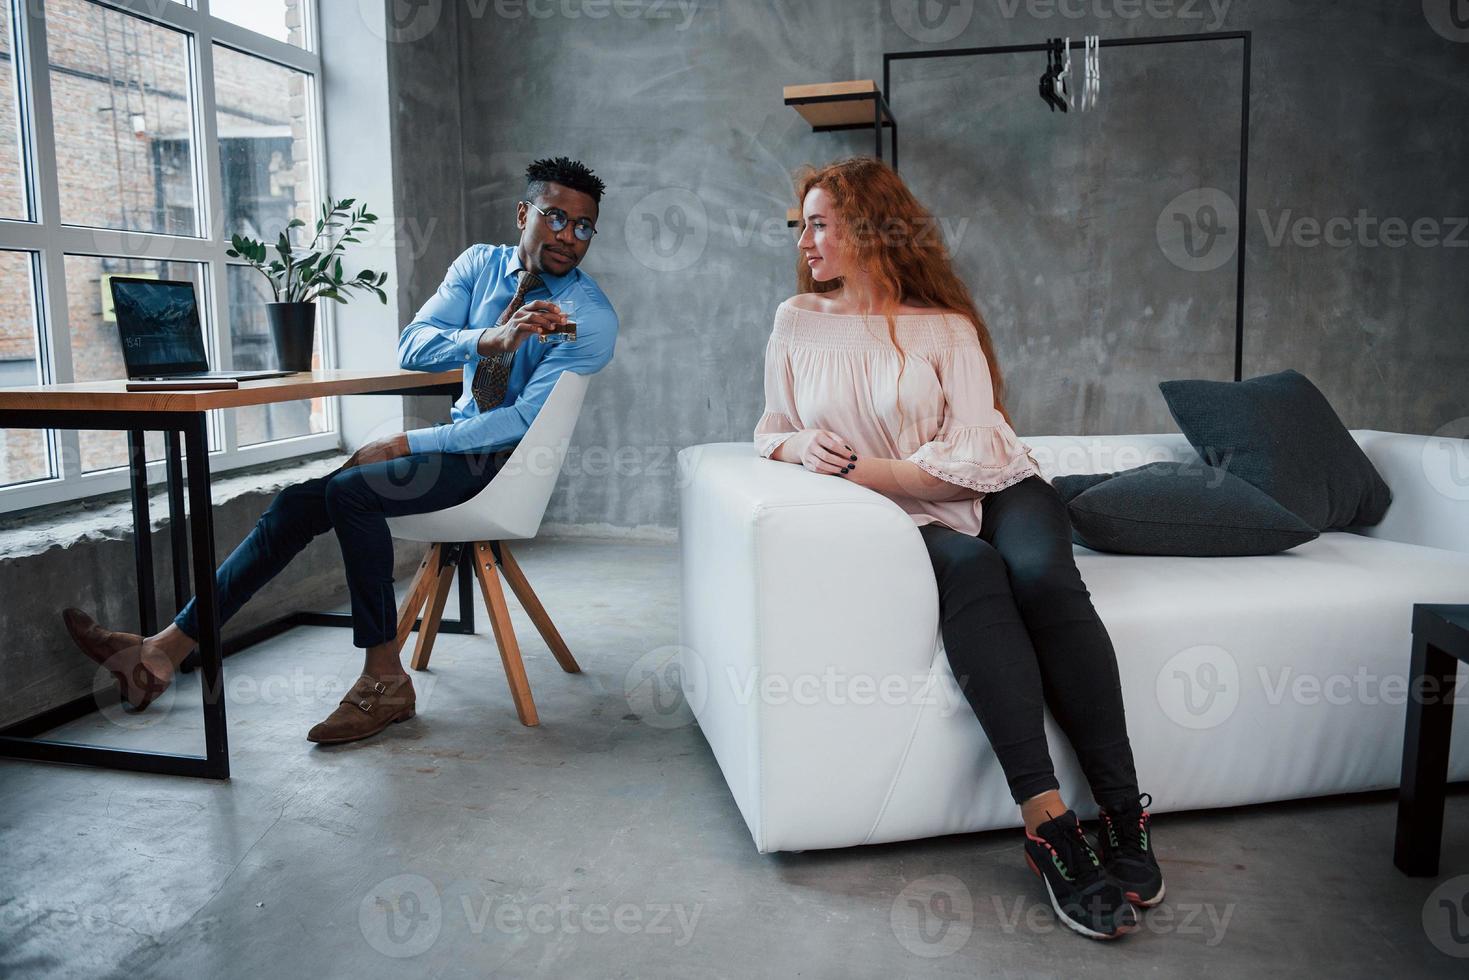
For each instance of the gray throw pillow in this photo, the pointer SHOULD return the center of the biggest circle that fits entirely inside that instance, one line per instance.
(1172, 508)
(1277, 432)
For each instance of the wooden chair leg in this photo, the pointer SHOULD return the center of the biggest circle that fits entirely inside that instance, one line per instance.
(418, 593)
(489, 583)
(520, 585)
(423, 647)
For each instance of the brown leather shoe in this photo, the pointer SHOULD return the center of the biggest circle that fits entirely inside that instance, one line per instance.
(369, 707)
(140, 677)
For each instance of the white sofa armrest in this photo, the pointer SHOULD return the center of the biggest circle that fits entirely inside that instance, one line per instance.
(1429, 479)
(809, 623)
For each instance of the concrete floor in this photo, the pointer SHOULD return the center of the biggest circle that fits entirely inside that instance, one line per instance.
(461, 844)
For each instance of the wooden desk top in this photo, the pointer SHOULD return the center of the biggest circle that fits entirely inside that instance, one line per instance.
(113, 396)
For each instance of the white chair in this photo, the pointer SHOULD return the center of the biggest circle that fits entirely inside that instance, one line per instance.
(509, 508)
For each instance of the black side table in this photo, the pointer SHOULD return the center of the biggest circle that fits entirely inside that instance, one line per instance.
(1440, 641)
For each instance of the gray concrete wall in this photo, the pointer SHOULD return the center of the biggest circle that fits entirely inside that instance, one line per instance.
(423, 54)
(1359, 108)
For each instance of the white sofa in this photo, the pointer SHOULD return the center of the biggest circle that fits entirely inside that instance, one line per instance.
(813, 663)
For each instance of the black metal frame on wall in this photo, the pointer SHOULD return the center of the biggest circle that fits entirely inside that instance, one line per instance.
(1244, 130)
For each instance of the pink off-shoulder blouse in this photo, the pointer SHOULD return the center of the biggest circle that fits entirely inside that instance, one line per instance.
(840, 372)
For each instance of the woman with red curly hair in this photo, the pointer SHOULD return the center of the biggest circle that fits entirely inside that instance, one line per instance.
(881, 371)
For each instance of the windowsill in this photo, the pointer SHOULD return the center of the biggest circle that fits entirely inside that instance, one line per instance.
(109, 517)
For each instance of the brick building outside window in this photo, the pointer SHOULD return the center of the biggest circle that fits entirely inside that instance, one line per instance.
(126, 98)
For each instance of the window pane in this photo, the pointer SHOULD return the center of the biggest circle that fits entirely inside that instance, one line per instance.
(120, 97)
(23, 454)
(264, 141)
(255, 349)
(280, 19)
(12, 172)
(96, 350)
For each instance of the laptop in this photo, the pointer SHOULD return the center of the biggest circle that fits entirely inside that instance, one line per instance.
(158, 322)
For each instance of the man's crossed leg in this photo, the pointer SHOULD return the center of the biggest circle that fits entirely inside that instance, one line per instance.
(356, 502)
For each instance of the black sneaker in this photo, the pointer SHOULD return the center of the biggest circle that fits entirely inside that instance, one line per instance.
(1082, 895)
(1126, 843)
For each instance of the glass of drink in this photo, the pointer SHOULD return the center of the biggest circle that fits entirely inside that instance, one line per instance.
(567, 332)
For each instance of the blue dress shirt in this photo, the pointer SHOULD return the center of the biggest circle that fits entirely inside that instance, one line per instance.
(476, 290)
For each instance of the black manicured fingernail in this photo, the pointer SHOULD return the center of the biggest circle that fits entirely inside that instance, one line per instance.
(854, 459)
(852, 466)
(845, 469)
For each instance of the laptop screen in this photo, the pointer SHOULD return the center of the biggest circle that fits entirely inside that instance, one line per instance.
(158, 323)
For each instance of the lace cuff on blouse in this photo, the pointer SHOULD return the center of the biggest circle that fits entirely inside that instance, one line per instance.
(981, 457)
(772, 430)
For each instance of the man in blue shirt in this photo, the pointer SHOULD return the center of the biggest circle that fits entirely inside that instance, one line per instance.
(494, 299)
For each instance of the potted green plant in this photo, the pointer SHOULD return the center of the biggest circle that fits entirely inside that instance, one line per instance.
(298, 282)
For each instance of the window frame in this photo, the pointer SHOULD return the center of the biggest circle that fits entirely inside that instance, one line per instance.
(49, 241)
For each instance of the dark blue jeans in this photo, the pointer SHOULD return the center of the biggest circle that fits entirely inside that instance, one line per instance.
(1021, 634)
(356, 503)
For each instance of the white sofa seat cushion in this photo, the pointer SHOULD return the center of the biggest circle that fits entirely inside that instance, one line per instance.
(1305, 653)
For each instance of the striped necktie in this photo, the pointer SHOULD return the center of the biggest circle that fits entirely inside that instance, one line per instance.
(493, 374)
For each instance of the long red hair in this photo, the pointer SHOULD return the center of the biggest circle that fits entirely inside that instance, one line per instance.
(895, 240)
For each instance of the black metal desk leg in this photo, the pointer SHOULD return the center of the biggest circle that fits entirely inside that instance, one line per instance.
(1431, 683)
(201, 529)
(177, 534)
(178, 537)
(142, 535)
(466, 591)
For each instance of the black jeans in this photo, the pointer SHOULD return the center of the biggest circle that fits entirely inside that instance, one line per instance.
(1020, 632)
(356, 503)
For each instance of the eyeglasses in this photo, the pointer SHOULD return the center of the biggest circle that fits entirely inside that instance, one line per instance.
(583, 228)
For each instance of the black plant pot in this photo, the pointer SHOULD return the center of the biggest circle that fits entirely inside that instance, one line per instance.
(293, 325)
